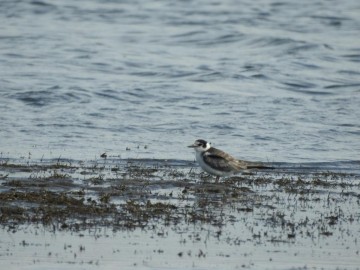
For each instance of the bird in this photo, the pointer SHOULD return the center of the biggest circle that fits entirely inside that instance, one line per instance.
(216, 162)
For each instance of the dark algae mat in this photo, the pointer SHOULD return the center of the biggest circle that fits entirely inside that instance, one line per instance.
(289, 207)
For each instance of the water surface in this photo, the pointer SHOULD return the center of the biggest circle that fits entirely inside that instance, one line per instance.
(264, 80)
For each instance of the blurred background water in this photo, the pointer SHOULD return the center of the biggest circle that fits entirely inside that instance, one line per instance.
(264, 80)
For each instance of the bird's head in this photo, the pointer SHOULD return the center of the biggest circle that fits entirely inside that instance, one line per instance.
(200, 145)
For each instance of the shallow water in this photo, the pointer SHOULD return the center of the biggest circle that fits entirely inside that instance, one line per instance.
(157, 214)
(102, 249)
(264, 80)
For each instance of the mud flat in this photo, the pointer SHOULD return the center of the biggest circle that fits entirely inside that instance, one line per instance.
(165, 214)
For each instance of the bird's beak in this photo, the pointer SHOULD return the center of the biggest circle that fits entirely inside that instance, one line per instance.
(192, 146)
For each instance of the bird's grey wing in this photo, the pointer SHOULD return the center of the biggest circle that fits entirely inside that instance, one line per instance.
(218, 162)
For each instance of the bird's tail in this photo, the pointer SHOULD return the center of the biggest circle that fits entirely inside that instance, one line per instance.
(258, 165)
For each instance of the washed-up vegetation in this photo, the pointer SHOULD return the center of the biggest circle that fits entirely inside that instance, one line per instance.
(277, 205)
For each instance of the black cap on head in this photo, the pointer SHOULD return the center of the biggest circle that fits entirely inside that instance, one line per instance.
(201, 142)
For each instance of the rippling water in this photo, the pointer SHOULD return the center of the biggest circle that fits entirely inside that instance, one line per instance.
(264, 80)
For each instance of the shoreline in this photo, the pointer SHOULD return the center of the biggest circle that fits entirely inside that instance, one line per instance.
(281, 209)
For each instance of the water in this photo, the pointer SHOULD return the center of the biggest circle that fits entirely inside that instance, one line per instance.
(264, 80)
(103, 249)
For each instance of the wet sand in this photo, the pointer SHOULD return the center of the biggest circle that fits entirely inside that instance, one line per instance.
(157, 214)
